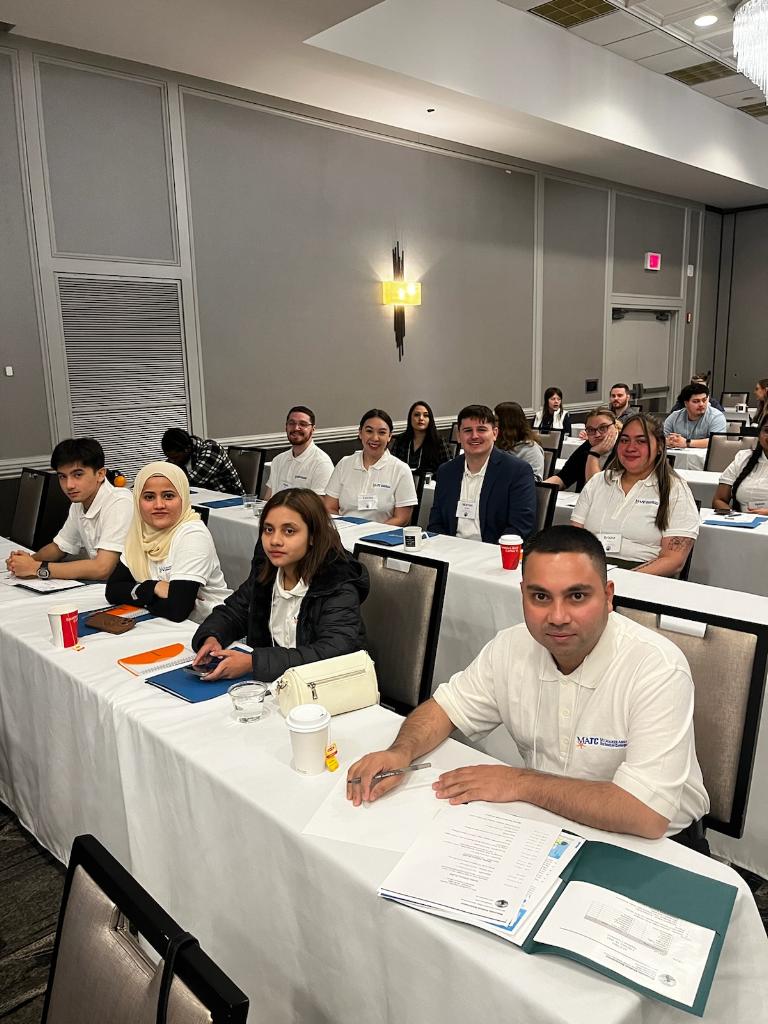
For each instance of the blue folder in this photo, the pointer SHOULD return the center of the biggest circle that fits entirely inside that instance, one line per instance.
(390, 538)
(222, 503)
(725, 521)
(83, 630)
(357, 520)
(190, 687)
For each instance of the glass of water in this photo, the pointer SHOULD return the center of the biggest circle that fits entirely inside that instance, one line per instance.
(249, 501)
(248, 700)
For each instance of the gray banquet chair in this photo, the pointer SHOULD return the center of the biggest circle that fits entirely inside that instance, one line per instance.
(546, 502)
(402, 616)
(41, 508)
(249, 465)
(730, 399)
(550, 458)
(100, 971)
(550, 440)
(728, 668)
(723, 448)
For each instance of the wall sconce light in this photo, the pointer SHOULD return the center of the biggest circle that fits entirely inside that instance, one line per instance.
(400, 293)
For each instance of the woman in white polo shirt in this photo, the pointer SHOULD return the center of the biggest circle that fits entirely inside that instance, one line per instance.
(169, 563)
(744, 484)
(640, 509)
(372, 483)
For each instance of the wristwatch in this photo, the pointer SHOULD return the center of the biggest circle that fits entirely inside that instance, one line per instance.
(43, 573)
(687, 442)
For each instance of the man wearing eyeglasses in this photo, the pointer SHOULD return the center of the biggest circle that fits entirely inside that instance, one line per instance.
(305, 465)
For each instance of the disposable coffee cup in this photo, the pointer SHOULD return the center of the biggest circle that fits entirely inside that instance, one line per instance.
(412, 538)
(309, 727)
(511, 549)
(63, 621)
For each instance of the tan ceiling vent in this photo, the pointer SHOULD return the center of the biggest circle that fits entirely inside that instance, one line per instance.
(756, 109)
(569, 13)
(698, 74)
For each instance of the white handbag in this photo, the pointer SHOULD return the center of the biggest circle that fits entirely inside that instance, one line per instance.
(341, 684)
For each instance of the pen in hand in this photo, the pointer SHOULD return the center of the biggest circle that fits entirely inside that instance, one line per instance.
(391, 773)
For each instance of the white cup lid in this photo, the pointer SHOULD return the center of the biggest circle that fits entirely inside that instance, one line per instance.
(510, 538)
(308, 718)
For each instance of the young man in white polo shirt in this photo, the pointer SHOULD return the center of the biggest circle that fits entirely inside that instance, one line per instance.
(600, 708)
(96, 525)
(305, 465)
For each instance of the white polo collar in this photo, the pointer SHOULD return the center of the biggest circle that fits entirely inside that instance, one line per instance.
(385, 458)
(101, 497)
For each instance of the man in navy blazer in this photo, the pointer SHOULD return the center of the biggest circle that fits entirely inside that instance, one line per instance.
(483, 493)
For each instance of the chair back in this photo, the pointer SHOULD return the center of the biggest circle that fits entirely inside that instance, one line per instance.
(453, 448)
(636, 408)
(550, 440)
(723, 448)
(546, 502)
(728, 668)
(454, 434)
(100, 972)
(203, 511)
(733, 426)
(730, 399)
(550, 457)
(249, 465)
(41, 508)
(402, 620)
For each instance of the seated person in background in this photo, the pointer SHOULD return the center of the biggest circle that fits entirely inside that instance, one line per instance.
(97, 522)
(619, 401)
(516, 437)
(552, 415)
(698, 378)
(373, 484)
(206, 463)
(601, 432)
(600, 708)
(483, 493)
(420, 446)
(744, 484)
(760, 393)
(301, 602)
(691, 426)
(638, 507)
(169, 564)
(305, 465)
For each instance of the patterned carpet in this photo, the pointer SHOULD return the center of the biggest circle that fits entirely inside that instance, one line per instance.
(31, 884)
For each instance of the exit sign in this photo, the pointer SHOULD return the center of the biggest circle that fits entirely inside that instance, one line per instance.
(652, 261)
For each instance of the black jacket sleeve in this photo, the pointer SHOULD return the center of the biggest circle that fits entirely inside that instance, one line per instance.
(178, 606)
(229, 621)
(575, 467)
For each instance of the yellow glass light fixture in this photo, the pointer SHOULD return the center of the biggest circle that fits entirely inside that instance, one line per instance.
(401, 293)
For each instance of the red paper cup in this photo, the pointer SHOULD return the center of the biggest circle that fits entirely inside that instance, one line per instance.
(63, 620)
(511, 549)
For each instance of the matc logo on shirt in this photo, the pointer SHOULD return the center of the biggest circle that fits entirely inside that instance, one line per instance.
(598, 741)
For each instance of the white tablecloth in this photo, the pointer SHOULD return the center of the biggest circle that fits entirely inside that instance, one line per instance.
(688, 458)
(208, 815)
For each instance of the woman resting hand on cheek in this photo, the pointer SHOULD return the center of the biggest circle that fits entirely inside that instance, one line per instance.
(169, 565)
(301, 602)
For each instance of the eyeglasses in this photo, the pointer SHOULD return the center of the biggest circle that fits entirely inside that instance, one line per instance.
(598, 431)
(641, 440)
(298, 423)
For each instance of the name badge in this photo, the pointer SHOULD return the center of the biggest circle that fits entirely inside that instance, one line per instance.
(465, 509)
(611, 542)
(366, 502)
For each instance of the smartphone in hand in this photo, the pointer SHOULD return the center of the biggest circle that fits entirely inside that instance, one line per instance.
(203, 668)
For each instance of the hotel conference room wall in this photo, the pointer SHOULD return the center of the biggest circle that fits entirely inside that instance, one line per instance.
(292, 225)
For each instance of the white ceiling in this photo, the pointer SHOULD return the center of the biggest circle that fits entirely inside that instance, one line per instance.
(259, 45)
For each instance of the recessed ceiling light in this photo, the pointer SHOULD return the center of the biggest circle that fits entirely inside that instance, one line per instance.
(705, 20)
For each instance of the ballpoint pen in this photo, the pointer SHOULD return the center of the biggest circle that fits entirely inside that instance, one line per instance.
(391, 773)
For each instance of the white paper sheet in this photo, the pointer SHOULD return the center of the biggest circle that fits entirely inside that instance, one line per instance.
(662, 953)
(41, 586)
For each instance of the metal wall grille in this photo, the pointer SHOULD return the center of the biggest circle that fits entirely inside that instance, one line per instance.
(124, 344)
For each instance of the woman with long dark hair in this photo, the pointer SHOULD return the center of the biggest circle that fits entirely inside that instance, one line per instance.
(300, 603)
(744, 484)
(516, 436)
(552, 414)
(420, 446)
(760, 393)
(640, 509)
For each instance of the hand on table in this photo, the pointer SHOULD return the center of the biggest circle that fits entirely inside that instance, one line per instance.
(494, 782)
(22, 564)
(758, 511)
(368, 766)
(676, 441)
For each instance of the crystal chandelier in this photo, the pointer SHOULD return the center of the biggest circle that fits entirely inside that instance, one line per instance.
(750, 42)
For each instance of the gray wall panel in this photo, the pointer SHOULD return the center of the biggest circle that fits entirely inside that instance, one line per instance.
(24, 428)
(709, 273)
(689, 284)
(575, 233)
(747, 352)
(107, 164)
(293, 227)
(642, 226)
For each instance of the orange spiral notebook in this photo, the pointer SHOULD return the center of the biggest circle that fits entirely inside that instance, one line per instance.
(159, 659)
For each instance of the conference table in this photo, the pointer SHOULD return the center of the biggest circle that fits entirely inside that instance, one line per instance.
(210, 817)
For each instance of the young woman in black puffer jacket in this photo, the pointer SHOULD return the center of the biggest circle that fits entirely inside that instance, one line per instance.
(300, 603)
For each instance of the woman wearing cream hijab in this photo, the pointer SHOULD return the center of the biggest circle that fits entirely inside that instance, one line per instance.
(169, 565)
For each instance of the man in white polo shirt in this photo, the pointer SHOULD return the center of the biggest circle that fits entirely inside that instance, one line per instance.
(600, 708)
(305, 465)
(95, 527)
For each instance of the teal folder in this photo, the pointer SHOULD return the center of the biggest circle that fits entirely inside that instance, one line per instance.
(664, 887)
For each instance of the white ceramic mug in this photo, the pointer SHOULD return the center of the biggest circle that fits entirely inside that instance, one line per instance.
(413, 538)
